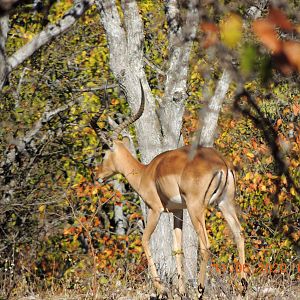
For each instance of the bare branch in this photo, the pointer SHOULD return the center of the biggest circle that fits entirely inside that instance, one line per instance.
(19, 86)
(96, 88)
(154, 67)
(6, 5)
(50, 32)
(47, 116)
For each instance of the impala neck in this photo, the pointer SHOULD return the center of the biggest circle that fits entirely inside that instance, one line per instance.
(126, 164)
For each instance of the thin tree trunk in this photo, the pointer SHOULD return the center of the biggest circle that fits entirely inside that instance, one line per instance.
(4, 28)
(120, 219)
(212, 111)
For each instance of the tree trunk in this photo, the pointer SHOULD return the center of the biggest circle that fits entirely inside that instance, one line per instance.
(126, 62)
(4, 28)
(119, 218)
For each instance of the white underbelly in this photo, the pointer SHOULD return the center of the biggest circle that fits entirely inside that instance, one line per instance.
(176, 202)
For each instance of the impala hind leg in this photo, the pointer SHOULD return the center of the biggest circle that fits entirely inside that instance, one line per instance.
(152, 221)
(198, 220)
(227, 207)
(177, 249)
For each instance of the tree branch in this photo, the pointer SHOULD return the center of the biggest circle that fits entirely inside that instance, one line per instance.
(50, 32)
(211, 115)
(180, 44)
(47, 116)
(115, 35)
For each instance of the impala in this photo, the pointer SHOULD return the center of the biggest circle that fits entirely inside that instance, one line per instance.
(171, 182)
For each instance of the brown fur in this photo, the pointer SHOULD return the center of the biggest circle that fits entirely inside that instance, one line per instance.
(171, 182)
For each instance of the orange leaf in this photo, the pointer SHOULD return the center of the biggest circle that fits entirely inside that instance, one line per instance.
(96, 222)
(279, 18)
(265, 30)
(295, 235)
(209, 27)
(292, 51)
(134, 216)
(69, 230)
(115, 101)
(279, 122)
(103, 199)
(296, 109)
(211, 31)
(254, 144)
(267, 200)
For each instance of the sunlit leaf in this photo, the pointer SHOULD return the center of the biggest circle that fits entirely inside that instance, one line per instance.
(231, 30)
(265, 31)
(248, 59)
(279, 18)
(211, 34)
(292, 51)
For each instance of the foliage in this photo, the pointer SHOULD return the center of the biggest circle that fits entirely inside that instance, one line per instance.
(60, 225)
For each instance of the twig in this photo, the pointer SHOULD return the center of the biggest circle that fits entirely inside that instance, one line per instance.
(96, 88)
(153, 66)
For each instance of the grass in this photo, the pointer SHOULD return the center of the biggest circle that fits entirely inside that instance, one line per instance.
(128, 285)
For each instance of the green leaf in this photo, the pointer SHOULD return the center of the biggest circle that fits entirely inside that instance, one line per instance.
(247, 59)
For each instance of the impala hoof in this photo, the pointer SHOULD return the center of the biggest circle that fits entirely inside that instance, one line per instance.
(160, 295)
(201, 292)
(163, 296)
(245, 286)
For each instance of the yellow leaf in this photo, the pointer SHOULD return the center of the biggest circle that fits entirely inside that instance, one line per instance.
(218, 214)
(283, 180)
(250, 155)
(293, 192)
(248, 176)
(42, 208)
(269, 160)
(231, 30)
(263, 188)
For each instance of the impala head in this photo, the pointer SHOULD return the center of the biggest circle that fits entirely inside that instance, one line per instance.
(113, 145)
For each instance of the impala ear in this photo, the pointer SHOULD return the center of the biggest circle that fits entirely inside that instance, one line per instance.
(126, 142)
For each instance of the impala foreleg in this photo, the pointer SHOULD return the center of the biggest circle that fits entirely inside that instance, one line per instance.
(177, 249)
(152, 221)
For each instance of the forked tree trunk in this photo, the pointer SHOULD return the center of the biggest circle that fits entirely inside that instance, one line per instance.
(157, 131)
